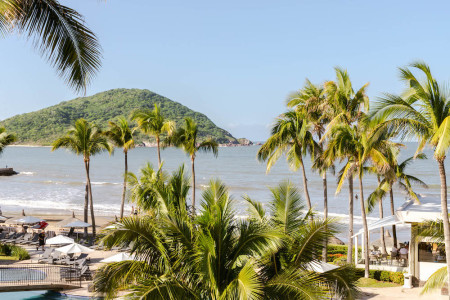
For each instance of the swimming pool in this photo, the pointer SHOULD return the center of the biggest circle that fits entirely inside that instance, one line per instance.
(38, 295)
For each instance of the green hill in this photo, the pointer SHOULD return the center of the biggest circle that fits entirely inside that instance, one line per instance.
(42, 127)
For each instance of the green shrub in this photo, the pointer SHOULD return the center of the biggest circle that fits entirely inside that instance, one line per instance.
(19, 252)
(375, 274)
(385, 276)
(340, 261)
(5, 250)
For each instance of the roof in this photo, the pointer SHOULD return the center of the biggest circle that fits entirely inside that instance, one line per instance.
(387, 221)
(429, 208)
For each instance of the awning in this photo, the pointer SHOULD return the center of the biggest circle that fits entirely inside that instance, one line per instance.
(428, 209)
(388, 221)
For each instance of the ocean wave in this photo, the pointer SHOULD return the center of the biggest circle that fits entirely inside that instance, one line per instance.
(27, 173)
(103, 183)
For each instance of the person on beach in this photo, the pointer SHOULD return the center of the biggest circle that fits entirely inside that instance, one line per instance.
(41, 240)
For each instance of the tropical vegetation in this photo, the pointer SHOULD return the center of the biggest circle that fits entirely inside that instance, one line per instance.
(187, 138)
(6, 139)
(121, 135)
(214, 255)
(84, 139)
(60, 35)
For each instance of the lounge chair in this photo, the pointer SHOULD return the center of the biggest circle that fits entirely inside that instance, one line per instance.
(46, 255)
(11, 238)
(25, 238)
(33, 241)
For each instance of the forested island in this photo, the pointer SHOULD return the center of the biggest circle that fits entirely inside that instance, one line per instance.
(44, 126)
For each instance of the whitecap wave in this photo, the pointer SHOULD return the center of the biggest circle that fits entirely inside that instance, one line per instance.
(27, 173)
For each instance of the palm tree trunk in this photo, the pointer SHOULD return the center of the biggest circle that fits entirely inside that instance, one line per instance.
(350, 220)
(325, 212)
(124, 185)
(366, 231)
(193, 185)
(86, 208)
(394, 229)
(445, 214)
(305, 186)
(91, 201)
(158, 150)
(380, 205)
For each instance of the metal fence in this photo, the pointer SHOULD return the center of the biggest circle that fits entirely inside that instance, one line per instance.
(32, 274)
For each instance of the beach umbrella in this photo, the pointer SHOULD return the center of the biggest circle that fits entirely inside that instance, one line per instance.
(3, 218)
(67, 221)
(59, 240)
(78, 224)
(320, 267)
(74, 248)
(118, 257)
(28, 220)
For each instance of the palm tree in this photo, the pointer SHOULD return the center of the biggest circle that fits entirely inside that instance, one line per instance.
(292, 135)
(347, 108)
(60, 35)
(84, 139)
(186, 138)
(358, 144)
(395, 174)
(423, 112)
(153, 123)
(216, 256)
(5, 139)
(312, 101)
(121, 135)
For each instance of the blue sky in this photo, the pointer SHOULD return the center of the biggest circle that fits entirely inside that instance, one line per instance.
(236, 61)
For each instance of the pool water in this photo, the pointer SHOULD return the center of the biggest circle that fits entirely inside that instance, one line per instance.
(37, 295)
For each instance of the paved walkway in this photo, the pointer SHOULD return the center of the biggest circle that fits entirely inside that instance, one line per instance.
(398, 293)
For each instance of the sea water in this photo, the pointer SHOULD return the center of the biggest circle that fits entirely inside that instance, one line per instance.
(54, 182)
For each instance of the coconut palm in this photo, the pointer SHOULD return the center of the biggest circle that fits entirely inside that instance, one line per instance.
(312, 101)
(358, 144)
(186, 138)
(87, 140)
(121, 135)
(216, 256)
(153, 123)
(395, 174)
(6, 139)
(423, 111)
(347, 107)
(291, 135)
(60, 35)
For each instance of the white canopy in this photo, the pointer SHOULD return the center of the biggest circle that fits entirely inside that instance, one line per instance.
(59, 240)
(428, 209)
(78, 224)
(74, 248)
(28, 220)
(320, 267)
(118, 257)
(387, 221)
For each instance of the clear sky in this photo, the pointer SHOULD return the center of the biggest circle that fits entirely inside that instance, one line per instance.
(236, 61)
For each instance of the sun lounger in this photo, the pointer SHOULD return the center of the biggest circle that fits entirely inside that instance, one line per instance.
(11, 238)
(17, 238)
(33, 241)
(25, 238)
(46, 255)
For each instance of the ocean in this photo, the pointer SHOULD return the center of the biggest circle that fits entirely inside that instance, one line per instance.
(53, 182)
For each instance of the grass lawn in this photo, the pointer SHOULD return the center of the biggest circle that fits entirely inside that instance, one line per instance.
(4, 257)
(372, 283)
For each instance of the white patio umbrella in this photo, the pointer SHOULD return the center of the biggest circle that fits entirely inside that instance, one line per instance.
(59, 240)
(118, 257)
(78, 224)
(321, 267)
(74, 248)
(28, 220)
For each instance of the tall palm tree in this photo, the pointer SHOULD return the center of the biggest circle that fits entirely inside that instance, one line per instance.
(291, 135)
(186, 138)
(60, 35)
(423, 111)
(153, 123)
(6, 139)
(347, 106)
(313, 102)
(121, 135)
(358, 144)
(395, 174)
(87, 140)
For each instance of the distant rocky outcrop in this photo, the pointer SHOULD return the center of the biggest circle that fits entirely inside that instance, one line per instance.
(245, 142)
